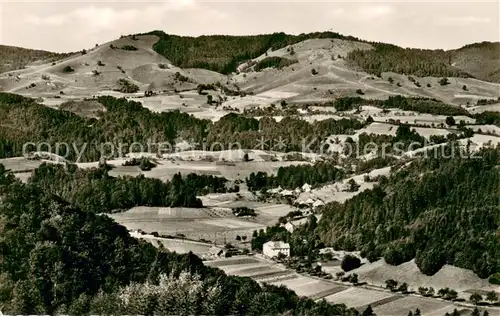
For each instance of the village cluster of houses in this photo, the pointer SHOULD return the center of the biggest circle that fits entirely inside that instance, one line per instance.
(311, 202)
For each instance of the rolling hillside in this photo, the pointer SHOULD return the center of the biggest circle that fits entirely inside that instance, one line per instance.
(251, 71)
(224, 53)
(12, 58)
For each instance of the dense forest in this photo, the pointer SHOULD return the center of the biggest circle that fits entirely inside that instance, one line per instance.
(294, 176)
(126, 122)
(12, 58)
(492, 118)
(223, 53)
(437, 210)
(478, 60)
(410, 61)
(273, 62)
(50, 266)
(94, 190)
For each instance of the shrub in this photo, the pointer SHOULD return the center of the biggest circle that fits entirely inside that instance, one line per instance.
(443, 81)
(403, 288)
(339, 275)
(350, 263)
(359, 91)
(429, 85)
(68, 69)
(180, 77)
(273, 62)
(352, 186)
(422, 291)
(464, 87)
(391, 284)
(447, 294)
(391, 81)
(129, 47)
(100, 63)
(145, 164)
(163, 66)
(450, 121)
(314, 72)
(126, 86)
(475, 298)
(244, 211)
(368, 311)
(492, 296)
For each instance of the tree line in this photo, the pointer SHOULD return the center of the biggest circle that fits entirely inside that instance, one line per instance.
(94, 190)
(126, 122)
(294, 176)
(418, 62)
(416, 104)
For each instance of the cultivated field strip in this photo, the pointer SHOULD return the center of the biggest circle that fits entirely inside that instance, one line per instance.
(328, 292)
(381, 302)
(240, 267)
(405, 304)
(253, 272)
(267, 275)
(282, 278)
(230, 262)
(449, 309)
(313, 288)
(354, 297)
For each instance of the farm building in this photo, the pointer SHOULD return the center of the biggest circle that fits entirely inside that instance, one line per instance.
(318, 203)
(287, 193)
(306, 188)
(274, 248)
(290, 227)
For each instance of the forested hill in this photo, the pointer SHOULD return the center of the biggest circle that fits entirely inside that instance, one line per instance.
(12, 58)
(58, 259)
(223, 53)
(438, 211)
(478, 60)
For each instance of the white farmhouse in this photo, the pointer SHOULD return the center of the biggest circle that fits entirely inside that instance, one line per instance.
(273, 248)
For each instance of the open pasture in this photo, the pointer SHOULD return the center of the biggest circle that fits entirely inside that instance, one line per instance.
(428, 306)
(215, 223)
(356, 297)
(176, 245)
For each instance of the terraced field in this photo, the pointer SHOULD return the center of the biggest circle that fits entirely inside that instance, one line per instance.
(383, 302)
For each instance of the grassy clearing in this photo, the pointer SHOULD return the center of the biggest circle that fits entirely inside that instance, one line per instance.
(405, 304)
(354, 297)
